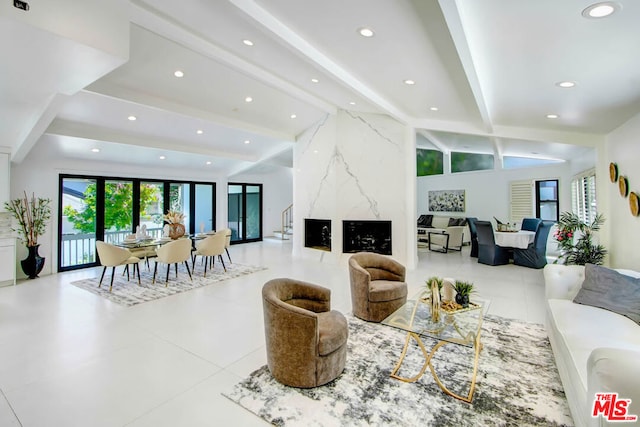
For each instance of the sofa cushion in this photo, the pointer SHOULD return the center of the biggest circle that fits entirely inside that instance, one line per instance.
(608, 289)
(581, 328)
(386, 290)
(425, 221)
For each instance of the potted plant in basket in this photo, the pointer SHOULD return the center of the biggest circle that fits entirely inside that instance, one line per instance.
(32, 216)
(575, 240)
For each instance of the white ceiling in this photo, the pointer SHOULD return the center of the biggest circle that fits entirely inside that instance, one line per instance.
(490, 67)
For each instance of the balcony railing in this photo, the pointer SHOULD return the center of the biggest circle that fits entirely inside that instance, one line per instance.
(78, 249)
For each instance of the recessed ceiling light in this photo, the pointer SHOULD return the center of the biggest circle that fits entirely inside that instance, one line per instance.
(247, 42)
(433, 108)
(95, 150)
(366, 32)
(293, 116)
(132, 118)
(409, 82)
(601, 9)
(248, 99)
(246, 141)
(199, 131)
(162, 157)
(352, 103)
(552, 116)
(566, 84)
(208, 162)
(178, 73)
(315, 80)
(315, 151)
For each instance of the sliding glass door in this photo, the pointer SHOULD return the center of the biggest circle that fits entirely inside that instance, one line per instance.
(107, 208)
(245, 212)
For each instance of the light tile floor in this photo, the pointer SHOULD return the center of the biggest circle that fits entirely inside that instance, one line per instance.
(71, 358)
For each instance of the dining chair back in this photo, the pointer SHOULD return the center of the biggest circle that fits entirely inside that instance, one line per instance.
(113, 256)
(474, 236)
(530, 224)
(174, 252)
(535, 256)
(208, 249)
(227, 232)
(488, 252)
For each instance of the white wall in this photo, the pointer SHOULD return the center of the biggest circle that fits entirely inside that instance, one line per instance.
(277, 189)
(487, 192)
(623, 148)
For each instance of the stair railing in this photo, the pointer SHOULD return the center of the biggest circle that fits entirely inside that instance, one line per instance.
(287, 220)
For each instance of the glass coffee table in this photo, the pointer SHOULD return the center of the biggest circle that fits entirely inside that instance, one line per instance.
(459, 327)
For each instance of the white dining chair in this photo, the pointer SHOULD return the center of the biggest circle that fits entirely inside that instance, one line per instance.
(227, 232)
(174, 252)
(209, 248)
(113, 256)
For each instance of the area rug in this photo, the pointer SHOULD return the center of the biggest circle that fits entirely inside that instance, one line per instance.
(518, 384)
(129, 293)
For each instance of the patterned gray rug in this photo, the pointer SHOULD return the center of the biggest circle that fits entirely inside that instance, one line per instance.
(129, 293)
(518, 384)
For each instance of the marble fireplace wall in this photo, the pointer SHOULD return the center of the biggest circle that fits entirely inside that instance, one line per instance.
(355, 166)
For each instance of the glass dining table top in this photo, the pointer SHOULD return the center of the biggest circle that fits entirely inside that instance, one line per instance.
(460, 327)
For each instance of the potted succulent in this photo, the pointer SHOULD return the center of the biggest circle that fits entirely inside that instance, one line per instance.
(32, 216)
(463, 290)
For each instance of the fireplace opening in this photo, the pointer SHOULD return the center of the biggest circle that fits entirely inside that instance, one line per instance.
(317, 234)
(366, 236)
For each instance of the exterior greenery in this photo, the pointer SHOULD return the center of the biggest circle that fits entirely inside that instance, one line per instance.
(466, 162)
(429, 162)
(575, 240)
(118, 197)
(32, 215)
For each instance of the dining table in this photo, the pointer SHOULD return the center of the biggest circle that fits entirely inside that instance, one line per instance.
(514, 239)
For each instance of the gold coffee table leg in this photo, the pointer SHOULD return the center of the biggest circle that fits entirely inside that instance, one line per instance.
(477, 346)
(404, 353)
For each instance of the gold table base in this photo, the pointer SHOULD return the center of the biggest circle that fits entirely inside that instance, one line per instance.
(427, 363)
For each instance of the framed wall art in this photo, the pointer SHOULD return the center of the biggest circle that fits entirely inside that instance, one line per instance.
(446, 201)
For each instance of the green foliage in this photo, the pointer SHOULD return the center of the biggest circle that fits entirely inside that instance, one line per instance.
(431, 281)
(429, 162)
(118, 202)
(465, 162)
(463, 288)
(32, 215)
(575, 240)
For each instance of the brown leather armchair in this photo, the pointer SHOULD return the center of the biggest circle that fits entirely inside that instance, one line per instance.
(306, 340)
(377, 286)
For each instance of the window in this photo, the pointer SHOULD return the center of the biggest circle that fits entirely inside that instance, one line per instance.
(466, 162)
(429, 162)
(547, 200)
(583, 195)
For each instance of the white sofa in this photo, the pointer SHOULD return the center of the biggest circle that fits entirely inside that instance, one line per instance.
(596, 350)
(441, 222)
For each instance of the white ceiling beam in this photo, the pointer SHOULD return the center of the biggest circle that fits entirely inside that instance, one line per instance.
(279, 149)
(90, 132)
(435, 141)
(497, 146)
(308, 51)
(456, 29)
(164, 26)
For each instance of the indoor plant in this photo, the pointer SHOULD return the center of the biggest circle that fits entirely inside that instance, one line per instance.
(463, 290)
(575, 240)
(175, 220)
(32, 216)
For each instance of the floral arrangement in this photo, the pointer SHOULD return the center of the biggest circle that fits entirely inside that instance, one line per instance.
(575, 240)
(174, 217)
(32, 215)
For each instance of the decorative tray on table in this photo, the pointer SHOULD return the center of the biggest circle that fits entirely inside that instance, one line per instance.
(451, 307)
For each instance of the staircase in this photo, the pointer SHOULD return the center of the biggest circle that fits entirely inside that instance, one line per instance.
(286, 230)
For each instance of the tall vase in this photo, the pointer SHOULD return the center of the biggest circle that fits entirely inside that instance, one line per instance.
(32, 265)
(435, 302)
(176, 231)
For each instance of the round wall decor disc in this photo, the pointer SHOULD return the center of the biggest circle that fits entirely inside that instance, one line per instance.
(634, 204)
(623, 185)
(613, 172)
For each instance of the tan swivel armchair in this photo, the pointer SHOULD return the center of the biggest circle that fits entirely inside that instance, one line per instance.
(113, 256)
(306, 340)
(173, 252)
(377, 286)
(208, 249)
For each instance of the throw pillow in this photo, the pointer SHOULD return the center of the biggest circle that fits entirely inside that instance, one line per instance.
(613, 291)
(453, 222)
(425, 221)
